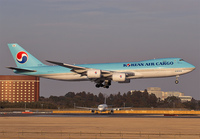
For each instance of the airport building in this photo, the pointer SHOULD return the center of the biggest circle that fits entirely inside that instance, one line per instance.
(157, 91)
(185, 98)
(163, 95)
(19, 88)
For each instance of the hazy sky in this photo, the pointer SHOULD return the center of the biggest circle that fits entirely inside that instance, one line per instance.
(99, 31)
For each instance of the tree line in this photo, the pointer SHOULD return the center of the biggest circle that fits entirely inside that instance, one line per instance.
(135, 99)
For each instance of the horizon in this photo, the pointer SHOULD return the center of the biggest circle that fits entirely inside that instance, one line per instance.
(104, 32)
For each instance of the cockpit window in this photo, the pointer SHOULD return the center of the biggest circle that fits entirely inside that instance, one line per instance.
(181, 60)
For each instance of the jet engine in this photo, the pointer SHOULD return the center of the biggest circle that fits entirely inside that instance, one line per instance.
(119, 77)
(94, 73)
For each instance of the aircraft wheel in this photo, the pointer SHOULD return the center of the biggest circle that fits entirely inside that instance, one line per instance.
(97, 85)
(176, 82)
(106, 86)
(101, 85)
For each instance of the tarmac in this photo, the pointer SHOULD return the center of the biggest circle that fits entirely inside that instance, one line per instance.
(100, 126)
(162, 112)
(73, 124)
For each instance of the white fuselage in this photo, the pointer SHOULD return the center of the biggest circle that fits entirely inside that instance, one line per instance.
(102, 107)
(138, 73)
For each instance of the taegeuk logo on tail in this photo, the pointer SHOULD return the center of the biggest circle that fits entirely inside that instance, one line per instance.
(22, 57)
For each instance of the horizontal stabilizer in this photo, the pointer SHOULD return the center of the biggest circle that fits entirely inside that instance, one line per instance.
(21, 70)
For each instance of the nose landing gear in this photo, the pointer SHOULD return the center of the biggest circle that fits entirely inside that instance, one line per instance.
(176, 82)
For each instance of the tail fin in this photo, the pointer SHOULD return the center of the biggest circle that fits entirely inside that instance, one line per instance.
(105, 100)
(22, 57)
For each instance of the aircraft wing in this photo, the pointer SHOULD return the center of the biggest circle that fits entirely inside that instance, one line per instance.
(87, 108)
(83, 70)
(119, 108)
(78, 69)
(73, 67)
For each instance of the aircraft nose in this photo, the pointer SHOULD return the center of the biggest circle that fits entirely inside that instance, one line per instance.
(192, 67)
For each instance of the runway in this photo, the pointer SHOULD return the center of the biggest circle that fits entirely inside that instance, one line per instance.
(90, 115)
(70, 126)
(51, 125)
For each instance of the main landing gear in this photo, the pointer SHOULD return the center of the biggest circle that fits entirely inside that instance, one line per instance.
(106, 84)
(176, 82)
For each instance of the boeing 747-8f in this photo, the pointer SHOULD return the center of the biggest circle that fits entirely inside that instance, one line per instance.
(102, 73)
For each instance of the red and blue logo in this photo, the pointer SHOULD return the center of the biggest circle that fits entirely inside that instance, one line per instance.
(128, 65)
(22, 57)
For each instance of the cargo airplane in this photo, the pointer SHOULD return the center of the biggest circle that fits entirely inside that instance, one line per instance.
(102, 73)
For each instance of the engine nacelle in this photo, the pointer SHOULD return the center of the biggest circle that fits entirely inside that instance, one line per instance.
(94, 73)
(92, 111)
(111, 111)
(119, 77)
